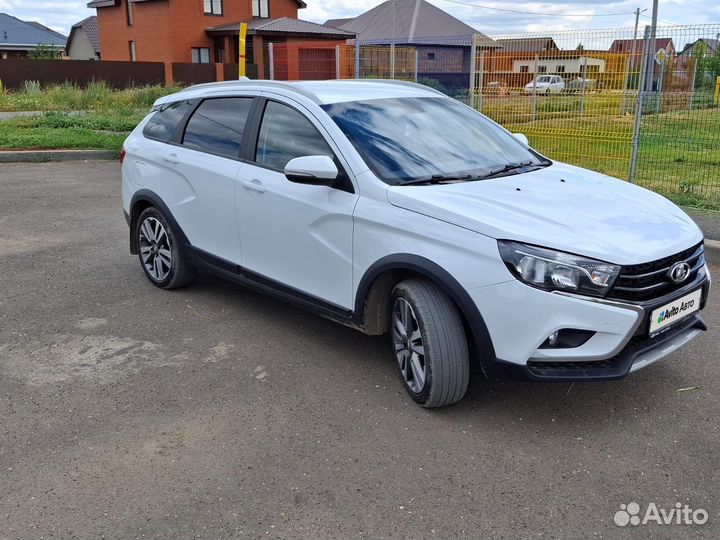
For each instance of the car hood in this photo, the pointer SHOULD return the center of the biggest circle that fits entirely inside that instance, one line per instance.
(561, 207)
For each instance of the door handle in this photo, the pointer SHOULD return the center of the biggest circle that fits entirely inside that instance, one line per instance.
(254, 185)
(171, 157)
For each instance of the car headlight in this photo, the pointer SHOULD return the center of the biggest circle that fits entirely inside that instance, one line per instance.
(556, 270)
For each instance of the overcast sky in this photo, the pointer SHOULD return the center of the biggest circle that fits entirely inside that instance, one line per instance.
(61, 14)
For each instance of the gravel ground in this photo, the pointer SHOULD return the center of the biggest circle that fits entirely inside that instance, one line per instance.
(215, 412)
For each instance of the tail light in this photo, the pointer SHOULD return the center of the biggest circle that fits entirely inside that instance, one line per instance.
(122, 155)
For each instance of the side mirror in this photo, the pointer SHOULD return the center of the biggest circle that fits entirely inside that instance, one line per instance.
(319, 170)
(522, 138)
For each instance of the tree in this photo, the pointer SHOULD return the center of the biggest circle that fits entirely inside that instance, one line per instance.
(580, 47)
(44, 52)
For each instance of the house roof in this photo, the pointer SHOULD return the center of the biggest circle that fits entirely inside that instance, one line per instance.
(337, 23)
(712, 45)
(412, 21)
(625, 45)
(283, 25)
(91, 29)
(531, 45)
(111, 3)
(21, 35)
(46, 29)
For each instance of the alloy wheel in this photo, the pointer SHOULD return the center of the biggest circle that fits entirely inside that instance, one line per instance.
(155, 249)
(409, 348)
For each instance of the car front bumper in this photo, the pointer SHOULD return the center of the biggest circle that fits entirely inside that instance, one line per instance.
(520, 318)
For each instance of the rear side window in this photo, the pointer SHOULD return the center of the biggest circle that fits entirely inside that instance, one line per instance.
(164, 122)
(217, 126)
(286, 134)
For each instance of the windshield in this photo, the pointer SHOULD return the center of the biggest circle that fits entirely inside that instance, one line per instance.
(543, 79)
(406, 139)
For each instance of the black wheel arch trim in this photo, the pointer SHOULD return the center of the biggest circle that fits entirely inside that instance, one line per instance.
(148, 196)
(480, 337)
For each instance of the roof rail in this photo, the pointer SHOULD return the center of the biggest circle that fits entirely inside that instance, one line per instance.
(399, 83)
(253, 82)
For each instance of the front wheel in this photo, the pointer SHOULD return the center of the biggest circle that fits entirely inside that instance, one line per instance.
(429, 343)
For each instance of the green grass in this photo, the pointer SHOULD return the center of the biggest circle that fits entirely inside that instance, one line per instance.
(68, 97)
(101, 130)
(679, 153)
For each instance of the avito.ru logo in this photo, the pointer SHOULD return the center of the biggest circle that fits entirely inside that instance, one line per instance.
(629, 514)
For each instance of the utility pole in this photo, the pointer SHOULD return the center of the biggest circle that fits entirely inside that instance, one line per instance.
(649, 81)
(632, 61)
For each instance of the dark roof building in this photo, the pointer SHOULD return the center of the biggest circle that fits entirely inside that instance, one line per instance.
(84, 40)
(414, 22)
(710, 47)
(529, 45)
(17, 37)
(284, 26)
(624, 46)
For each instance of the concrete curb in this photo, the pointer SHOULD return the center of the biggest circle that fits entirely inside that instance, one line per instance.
(9, 115)
(37, 156)
(712, 251)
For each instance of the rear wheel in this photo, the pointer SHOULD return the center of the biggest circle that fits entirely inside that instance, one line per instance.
(159, 251)
(429, 343)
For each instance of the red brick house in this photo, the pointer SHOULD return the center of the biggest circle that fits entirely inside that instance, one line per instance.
(202, 31)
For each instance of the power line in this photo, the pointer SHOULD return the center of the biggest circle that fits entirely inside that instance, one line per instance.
(661, 20)
(522, 12)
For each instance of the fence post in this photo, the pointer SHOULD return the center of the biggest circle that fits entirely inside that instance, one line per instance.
(639, 107)
(392, 60)
(337, 61)
(692, 88)
(473, 72)
(271, 61)
(357, 59)
(582, 87)
(417, 55)
(534, 93)
(659, 93)
(481, 69)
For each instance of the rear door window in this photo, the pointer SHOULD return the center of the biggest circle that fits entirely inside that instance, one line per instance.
(164, 122)
(217, 126)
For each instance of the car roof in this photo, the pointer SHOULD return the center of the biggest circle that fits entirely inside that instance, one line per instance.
(321, 92)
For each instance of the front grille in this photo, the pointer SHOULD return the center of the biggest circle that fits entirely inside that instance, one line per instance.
(640, 282)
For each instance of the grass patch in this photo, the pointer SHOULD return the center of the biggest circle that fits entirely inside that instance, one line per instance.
(678, 156)
(97, 130)
(68, 97)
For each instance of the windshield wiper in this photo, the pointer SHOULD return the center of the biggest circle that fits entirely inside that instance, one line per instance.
(436, 179)
(510, 168)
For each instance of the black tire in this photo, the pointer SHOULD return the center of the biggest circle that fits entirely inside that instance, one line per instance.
(179, 272)
(445, 355)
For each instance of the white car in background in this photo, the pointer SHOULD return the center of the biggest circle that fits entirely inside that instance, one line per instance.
(394, 209)
(546, 84)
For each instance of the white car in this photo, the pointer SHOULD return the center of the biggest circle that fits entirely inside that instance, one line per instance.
(392, 208)
(546, 84)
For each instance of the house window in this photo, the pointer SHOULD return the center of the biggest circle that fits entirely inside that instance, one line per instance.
(261, 8)
(560, 69)
(431, 56)
(213, 7)
(129, 12)
(524, 69)
(133, 51)
(200, 55)
(542, 69)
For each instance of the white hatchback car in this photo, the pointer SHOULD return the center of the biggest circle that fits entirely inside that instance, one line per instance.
(546, 84)
(394, 209)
